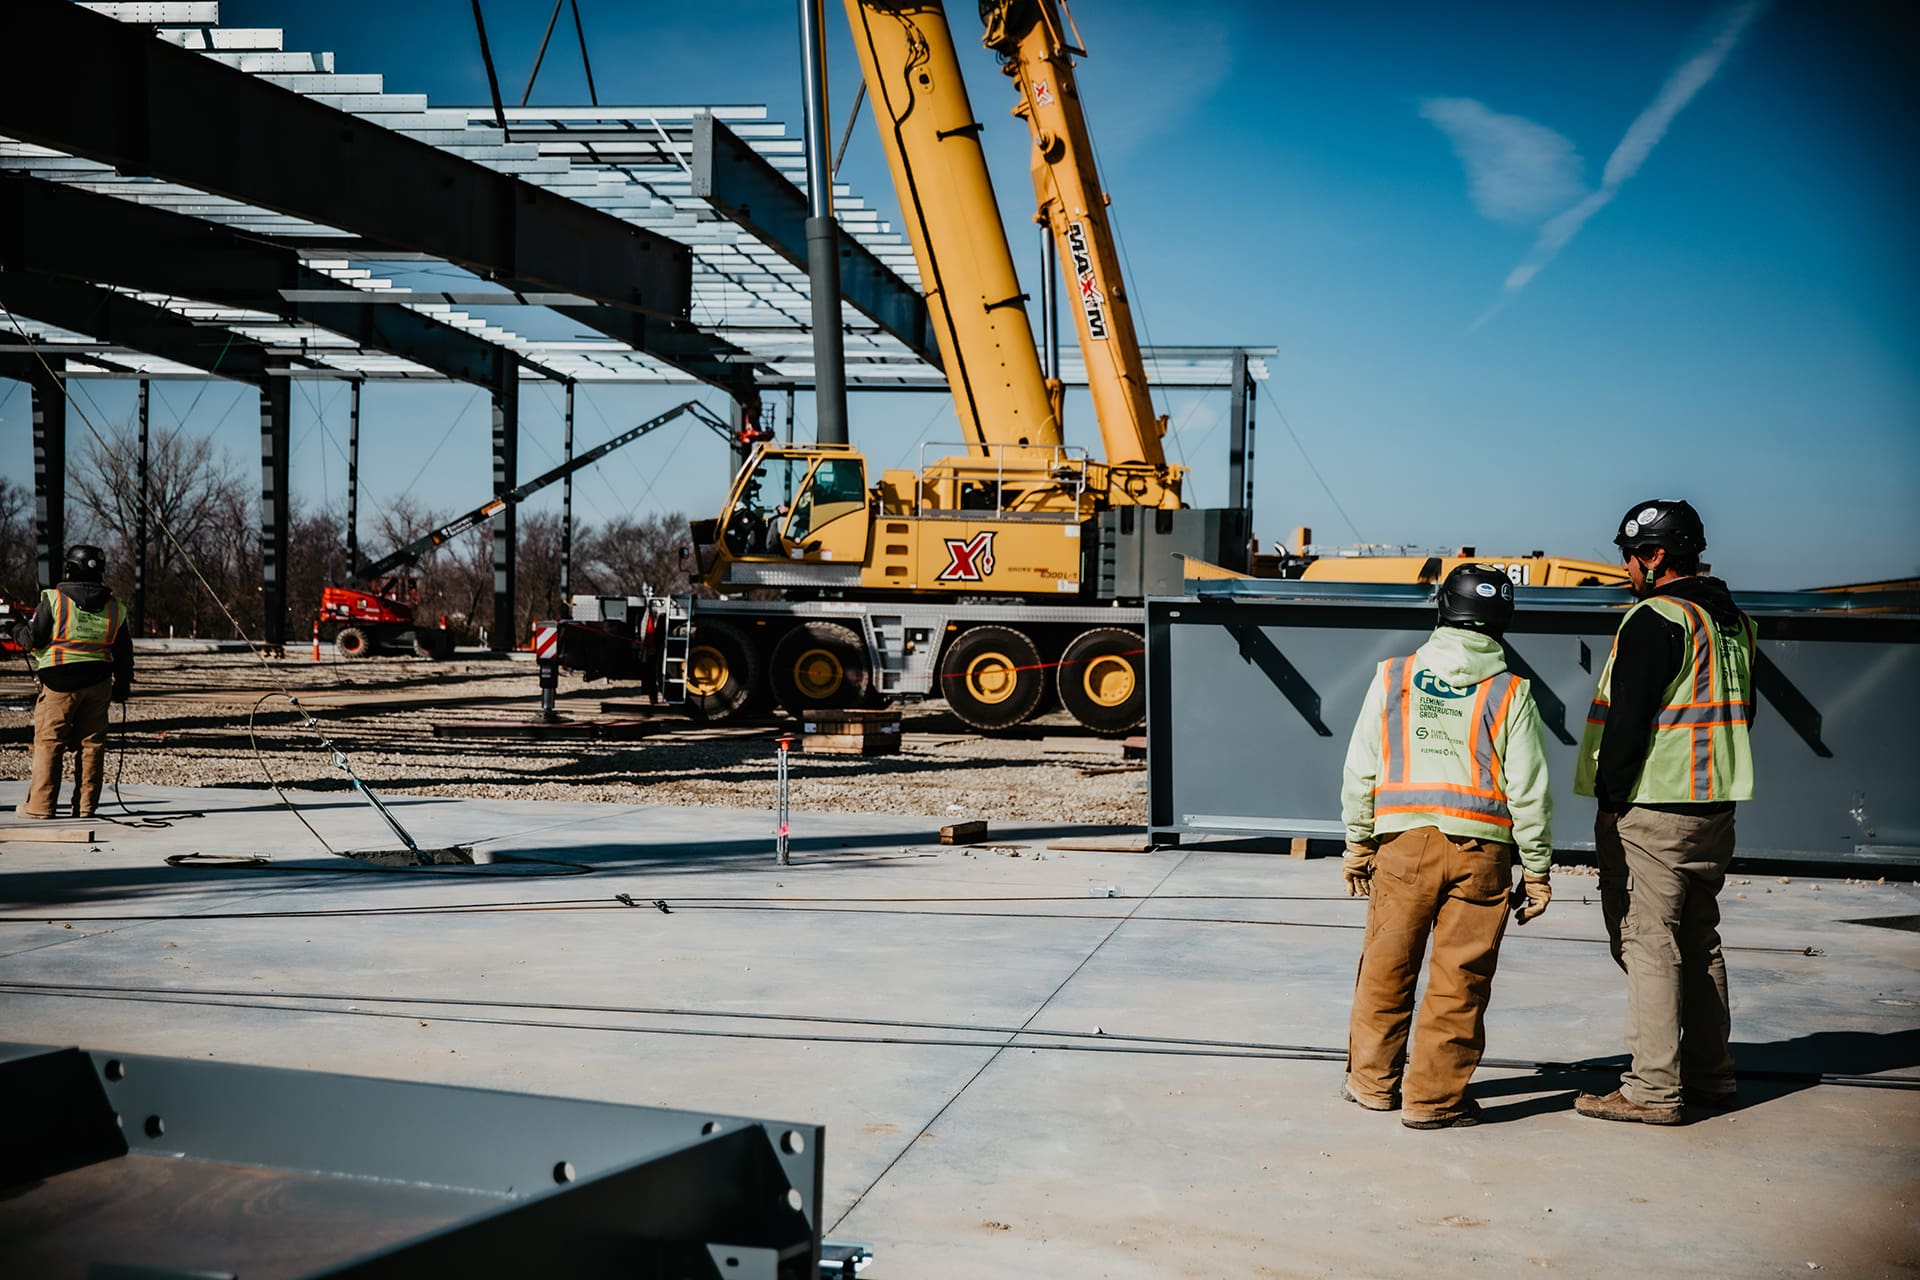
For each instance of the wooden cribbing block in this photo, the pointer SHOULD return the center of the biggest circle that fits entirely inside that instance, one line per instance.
(48, 835)
(1297, 847)
(851, 733)
(963, 832)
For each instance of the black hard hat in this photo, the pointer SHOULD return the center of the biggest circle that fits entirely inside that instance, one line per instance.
(1477, 595)
(87, 559)
(1662, 522)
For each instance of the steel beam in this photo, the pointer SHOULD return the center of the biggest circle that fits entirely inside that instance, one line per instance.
(566, 482)
(63, 231)
(714, 361)
(83, 83)
(118, 320)
(741, 184)
(276, 412)
(506, 463)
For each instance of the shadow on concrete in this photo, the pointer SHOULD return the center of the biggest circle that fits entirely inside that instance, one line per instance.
(45, 891)
(1767, 1070)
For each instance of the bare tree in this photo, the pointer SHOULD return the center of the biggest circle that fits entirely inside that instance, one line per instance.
(634, 556)
(19, 555)
(203, 566)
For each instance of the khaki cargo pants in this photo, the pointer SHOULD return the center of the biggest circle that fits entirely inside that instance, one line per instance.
(1660, 878)
(63, 722)
(1454, 890)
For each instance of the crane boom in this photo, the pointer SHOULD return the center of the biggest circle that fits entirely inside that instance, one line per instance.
(932, 144)
(1034, 50)
(427, 542)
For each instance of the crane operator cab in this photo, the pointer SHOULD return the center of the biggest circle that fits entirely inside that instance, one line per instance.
(796, 506)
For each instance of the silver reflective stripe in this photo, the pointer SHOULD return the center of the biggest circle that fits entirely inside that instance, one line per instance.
(1426, 799)
(1393, 765)
(1703, 764)
(1730, 713)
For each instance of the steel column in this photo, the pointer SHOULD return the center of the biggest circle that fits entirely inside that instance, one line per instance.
(353, 477)
(1252, 398)
(1237, 436)
(140, 523)
(823, 237)
(506, 464)
(49, 472)
(566, 485)
(276, 415)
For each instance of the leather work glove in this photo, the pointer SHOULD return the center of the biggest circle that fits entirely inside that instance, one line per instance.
(1532, 897)
(1356, 864)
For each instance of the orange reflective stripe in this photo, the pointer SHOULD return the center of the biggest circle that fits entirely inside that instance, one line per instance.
(1493, 736)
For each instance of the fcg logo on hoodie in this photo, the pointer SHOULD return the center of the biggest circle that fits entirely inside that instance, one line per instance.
(1429, 683)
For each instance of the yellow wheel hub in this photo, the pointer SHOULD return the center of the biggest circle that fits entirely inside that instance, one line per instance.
(707, 671)
(817, 674)
(992, 677)
(1109, 680)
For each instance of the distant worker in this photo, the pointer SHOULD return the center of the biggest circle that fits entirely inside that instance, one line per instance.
(83, 656)
(1446, 763)
(1665, 756)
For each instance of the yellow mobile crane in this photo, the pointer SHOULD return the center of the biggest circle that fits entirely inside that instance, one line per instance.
(1012, 567)
(988, 575)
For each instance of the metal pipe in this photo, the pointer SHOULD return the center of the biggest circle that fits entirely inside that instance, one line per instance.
(823, 237)
(1049, 302)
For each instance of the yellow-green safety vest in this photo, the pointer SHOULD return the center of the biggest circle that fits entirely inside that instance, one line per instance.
(1698, 750)
(79, 635)
(1437, 769)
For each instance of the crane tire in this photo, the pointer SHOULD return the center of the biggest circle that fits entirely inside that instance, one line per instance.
(819, 664)
(352, 643)
(723, 671)
(1102, 680)
(991, 677)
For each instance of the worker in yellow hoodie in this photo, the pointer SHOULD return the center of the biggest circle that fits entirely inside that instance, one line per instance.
(1445, 784)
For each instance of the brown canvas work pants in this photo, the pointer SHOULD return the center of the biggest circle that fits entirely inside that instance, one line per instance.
(1660, 878)
(63, 722)
(1454, 890)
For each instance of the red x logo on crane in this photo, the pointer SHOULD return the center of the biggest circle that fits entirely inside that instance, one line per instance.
(970, 559)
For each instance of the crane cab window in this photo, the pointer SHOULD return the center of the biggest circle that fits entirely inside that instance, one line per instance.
(838, 487)
(767, 498)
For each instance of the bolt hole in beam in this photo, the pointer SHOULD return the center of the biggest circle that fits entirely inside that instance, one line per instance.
(563, 1172)
(792, 1143)
(155, 1126)
(115, 1069)
(794, 1202)
(710, 1127)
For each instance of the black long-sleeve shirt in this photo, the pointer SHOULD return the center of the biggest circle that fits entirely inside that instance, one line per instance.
(1650, 651)
(69, 676)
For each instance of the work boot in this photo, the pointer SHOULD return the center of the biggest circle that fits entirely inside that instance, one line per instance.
(1466, 1117)
(1348, 1095)
(1617, 1106)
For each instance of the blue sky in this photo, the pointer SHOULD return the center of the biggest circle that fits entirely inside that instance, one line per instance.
(1524, 264)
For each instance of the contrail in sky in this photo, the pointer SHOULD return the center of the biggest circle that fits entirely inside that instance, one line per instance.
(1641, 137)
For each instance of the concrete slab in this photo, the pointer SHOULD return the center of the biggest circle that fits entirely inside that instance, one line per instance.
(1017, 1077)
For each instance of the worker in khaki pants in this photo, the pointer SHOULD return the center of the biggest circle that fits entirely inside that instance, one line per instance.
(83, 657)
(1446, 765)
(1666, 758)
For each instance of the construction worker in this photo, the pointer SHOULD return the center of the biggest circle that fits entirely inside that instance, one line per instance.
(1665, 757)
(1445, 776)
(83, 656)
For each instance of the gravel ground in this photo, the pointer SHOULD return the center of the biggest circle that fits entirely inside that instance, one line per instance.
(187, 725)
